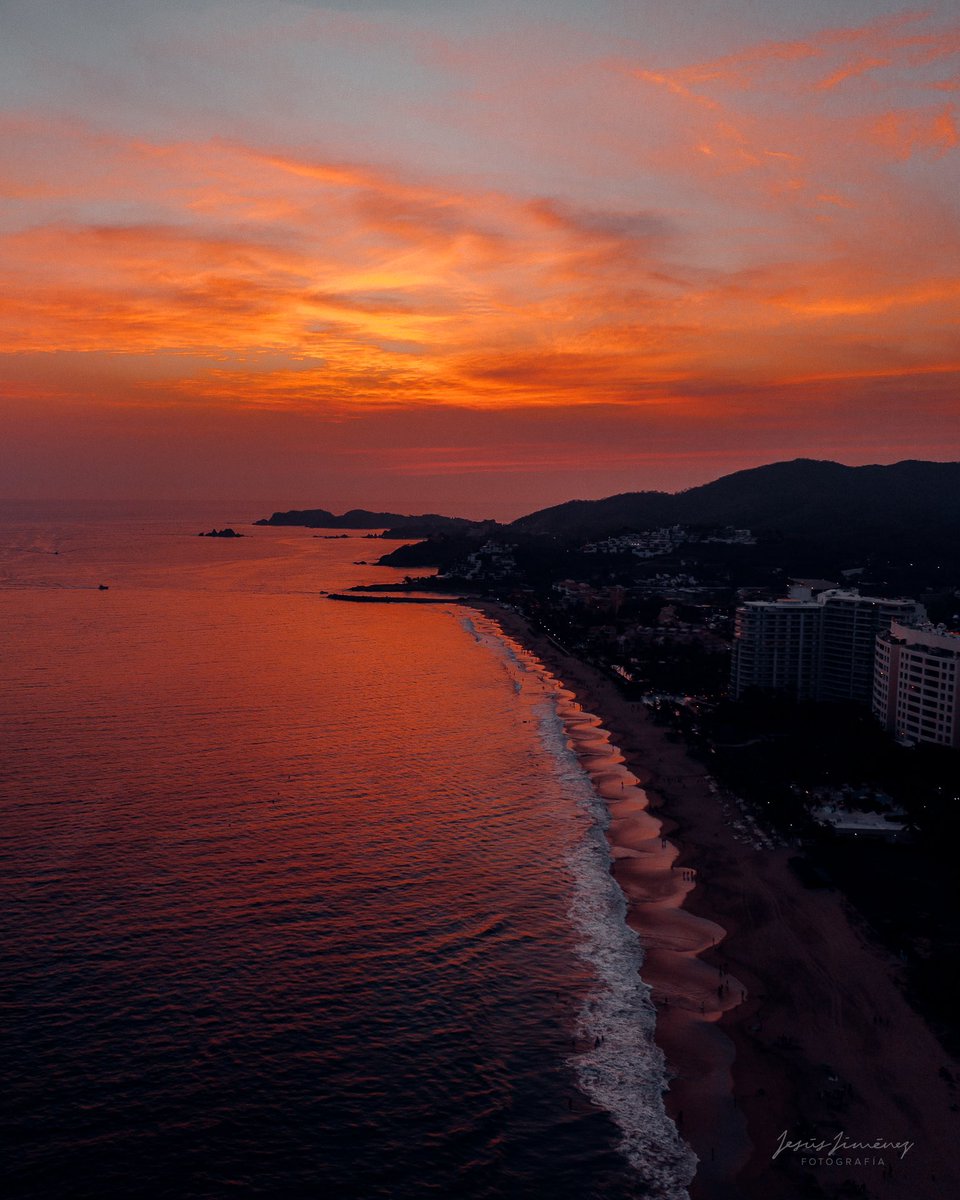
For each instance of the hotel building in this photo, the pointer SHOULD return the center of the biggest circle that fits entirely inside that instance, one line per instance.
(916, 685)
(776, 647)
(814, 649)
(848, 635)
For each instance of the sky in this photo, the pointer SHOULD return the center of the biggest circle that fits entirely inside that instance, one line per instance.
(471, 256)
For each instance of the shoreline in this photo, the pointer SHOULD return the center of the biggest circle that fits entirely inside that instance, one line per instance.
(774, 1014)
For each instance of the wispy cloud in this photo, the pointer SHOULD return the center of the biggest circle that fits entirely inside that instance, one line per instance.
(780, 225)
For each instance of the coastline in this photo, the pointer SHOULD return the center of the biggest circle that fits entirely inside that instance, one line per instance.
(774, 1014)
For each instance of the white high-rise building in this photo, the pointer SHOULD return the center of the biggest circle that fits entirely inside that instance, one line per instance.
(814, 649)
(916, 683)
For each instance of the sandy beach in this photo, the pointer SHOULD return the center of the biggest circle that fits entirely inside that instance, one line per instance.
(779, 1021)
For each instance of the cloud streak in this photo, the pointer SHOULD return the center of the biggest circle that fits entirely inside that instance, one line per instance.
(788, 228)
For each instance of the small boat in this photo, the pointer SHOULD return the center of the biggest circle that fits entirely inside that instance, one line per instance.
(103, 588)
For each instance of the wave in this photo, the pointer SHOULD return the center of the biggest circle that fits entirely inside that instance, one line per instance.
(622, 1070)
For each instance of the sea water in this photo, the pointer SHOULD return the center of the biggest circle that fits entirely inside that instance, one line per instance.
(300, 898)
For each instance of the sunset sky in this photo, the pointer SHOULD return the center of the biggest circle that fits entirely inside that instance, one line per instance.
(473, 256)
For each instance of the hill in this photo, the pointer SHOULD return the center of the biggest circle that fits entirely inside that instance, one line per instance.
(397, 524)
(867, 507)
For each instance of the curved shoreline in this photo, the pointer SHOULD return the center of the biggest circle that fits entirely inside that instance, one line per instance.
(819, 1040)
(689, 995)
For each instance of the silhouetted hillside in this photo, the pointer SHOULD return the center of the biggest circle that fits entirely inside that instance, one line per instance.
(361, 518)
(868, 507)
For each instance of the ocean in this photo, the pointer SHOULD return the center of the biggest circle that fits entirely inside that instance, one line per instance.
(300, 898)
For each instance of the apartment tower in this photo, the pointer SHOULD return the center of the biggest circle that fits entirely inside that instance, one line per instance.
(916, 686)
(814, 649)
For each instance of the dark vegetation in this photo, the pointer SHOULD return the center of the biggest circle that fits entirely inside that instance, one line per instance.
(663, 625)
(775, 753)
(896, 527)
(910, 511)
(876, 509)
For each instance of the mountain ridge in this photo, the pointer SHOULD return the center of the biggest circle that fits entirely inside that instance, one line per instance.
(911, 501)
(800, 497)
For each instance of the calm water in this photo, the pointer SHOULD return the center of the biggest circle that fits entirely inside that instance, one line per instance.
(300, 898)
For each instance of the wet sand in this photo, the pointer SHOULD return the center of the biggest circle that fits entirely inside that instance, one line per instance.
(774, 1013)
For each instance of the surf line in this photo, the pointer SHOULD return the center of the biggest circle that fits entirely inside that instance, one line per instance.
(690, 995)
(619, 1063)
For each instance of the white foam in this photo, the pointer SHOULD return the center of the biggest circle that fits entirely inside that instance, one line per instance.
(622, 1071)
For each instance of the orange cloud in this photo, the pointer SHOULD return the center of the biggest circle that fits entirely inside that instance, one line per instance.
(646, 261)
(269, 279)
(906, 132)
(746, 110)
(852, 70)
(895, 40)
